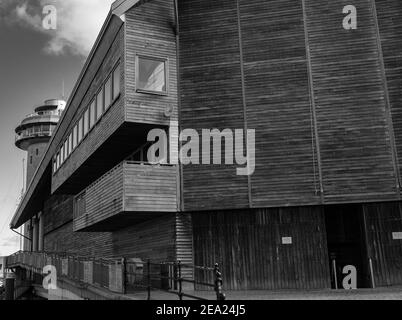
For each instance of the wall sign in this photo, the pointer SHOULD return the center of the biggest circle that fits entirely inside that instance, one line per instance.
(397, 235)
(286, 240)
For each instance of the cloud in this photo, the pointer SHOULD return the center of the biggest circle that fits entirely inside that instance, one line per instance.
(78, 22)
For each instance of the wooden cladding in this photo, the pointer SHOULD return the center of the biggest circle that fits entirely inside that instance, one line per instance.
(249, 247)
(313, 91)
(389, 17)
(354, 136)
(149, 32)
(129, 189)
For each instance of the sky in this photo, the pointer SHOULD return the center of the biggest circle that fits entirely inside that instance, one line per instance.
(34, 63)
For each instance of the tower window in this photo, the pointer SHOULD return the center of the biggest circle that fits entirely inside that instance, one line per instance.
(37, 151)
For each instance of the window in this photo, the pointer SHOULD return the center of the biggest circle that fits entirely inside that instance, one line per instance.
(151, 75)
(66, 153)
(58, 160)
(99, 104)
(70, 143)
(86, 122)
(108, 93)
(30, 159)
(116, 82)
(37, 151)
(54, 164)
(75, 137)
(80, 127)
(62, 155)
(92, 117)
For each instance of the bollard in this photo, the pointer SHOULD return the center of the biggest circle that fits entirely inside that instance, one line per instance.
(218, 284)
(10, 286)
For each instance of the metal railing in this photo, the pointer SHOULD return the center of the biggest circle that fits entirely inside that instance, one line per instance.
(170, 277)
(105, 273)
(122, 275)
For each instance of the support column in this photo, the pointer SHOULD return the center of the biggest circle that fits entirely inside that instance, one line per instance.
(40, 232)
(35, 234)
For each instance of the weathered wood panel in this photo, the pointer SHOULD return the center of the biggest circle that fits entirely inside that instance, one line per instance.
(153, 239)
(149, 31)
(277, 97)
(389, 15)
(184, 243)
(150, 188)
(354, 136)
(58, 210)
(248, 246)
(211, 97)
(382, 220)
(131, 189)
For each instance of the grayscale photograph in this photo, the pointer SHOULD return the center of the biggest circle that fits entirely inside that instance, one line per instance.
(200, 155)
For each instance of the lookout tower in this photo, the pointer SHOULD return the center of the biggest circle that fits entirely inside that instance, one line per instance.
(33, 135)
(35, 131)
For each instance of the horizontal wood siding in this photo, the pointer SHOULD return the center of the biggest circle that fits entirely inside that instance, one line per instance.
(90, 244)
(103, 199)
(184, 243)
(58, 210)
(389, 13)
(211, 97)
(110, 121)
(248, 246)
(154, 239)
(131, 189)
(150, 188)
(149, 31)
(386, 253)
(354, 137)
(278, 103)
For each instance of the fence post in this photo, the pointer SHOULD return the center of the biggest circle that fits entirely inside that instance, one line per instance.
(218, 284)
(334, 271)
(124, 274)
(180, 280)
(149, 278)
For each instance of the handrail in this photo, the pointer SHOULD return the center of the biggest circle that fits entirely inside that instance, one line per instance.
(116, 274)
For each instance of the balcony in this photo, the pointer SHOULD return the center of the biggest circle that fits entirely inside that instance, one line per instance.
(129, 193)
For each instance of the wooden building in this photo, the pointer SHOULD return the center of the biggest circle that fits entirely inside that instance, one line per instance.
(325, 103)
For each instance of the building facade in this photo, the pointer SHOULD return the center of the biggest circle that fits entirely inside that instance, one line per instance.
(324, 101)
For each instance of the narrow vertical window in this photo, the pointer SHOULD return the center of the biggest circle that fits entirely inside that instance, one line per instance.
(108, 93)
(92, 117)
(62, 155)
(70, 143)
(116, 82)
(75, 137)
(86, 122)
(80, 129)
(99, 104)
(66, 153)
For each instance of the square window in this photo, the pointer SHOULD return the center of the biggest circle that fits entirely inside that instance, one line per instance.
(151, 75)
(116, 82)
(99, 104)
(108, 93)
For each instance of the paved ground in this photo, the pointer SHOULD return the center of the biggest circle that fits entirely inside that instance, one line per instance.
(388, 293)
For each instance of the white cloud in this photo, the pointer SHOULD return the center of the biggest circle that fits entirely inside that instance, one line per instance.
(78, 22)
